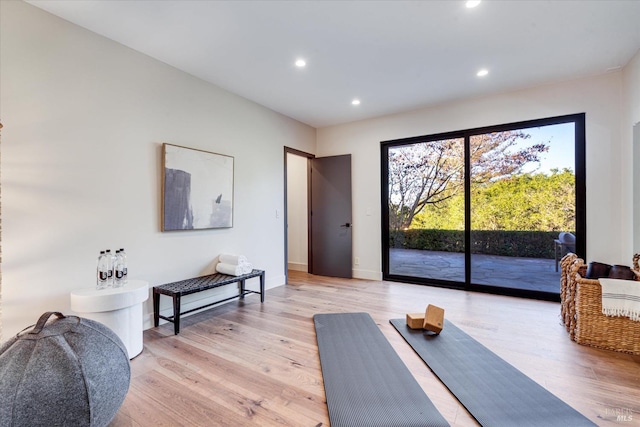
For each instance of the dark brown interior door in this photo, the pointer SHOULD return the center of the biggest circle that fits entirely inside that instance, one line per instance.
(330, 233)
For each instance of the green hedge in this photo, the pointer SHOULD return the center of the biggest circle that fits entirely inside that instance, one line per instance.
(531, 244)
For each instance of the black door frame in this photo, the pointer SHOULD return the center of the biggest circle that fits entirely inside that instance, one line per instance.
(581, 215)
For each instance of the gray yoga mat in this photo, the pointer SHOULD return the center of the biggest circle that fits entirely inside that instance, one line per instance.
(365, 381)
(493, 391)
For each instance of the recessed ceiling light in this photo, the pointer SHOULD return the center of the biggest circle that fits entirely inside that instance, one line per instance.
(482, 72)
(301, 63)
(472, 3)
(355, 102)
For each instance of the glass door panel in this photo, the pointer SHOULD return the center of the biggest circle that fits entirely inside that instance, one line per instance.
(426, 206)
(522, 196)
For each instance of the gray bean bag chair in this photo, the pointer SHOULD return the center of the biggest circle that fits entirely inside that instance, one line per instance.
(68, 372)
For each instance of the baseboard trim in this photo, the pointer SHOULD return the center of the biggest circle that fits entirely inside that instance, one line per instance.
(298, 266)
(367, 274)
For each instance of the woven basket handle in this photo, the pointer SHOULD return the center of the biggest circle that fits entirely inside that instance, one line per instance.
(43, 321)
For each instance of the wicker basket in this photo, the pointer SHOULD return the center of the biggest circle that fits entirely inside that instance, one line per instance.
(567, 290)
(584, 319)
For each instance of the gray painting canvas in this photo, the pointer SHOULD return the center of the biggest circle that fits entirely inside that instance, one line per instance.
(197, 189)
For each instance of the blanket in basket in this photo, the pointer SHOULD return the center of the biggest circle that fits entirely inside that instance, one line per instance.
(621, 298)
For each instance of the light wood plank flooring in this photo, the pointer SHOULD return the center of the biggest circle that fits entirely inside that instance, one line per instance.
(247, 363)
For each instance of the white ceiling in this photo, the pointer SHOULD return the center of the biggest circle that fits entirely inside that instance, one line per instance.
(393, 55)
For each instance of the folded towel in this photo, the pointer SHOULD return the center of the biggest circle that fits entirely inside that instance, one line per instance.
(234, 270)
(620, 298)
(233, 259)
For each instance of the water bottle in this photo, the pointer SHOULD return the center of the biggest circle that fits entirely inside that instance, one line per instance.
(119, 270)
(111, 262)
(102, 272)
(123, 255)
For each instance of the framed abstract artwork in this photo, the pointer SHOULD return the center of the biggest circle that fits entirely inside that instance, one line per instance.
(197, 189)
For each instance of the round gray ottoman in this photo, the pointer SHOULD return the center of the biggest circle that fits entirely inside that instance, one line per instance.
(68, 372)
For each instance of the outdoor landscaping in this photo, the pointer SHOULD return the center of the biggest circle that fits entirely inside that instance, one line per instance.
(527, 244)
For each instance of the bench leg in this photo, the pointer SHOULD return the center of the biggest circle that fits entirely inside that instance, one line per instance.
(262, 287)
(242, 289)
(176, 314)
(156, 309)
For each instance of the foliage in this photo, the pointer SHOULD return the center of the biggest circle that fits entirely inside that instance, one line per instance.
(533, 244)
(431, 173)
(428, 239)
(527, 202)
(444, 216)
(420, 174)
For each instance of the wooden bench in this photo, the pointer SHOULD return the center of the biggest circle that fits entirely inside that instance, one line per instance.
(191, 286)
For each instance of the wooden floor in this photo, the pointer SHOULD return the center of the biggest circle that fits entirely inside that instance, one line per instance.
(247, 363)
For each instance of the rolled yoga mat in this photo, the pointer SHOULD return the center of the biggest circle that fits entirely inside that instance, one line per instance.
(365, 381)
(493, 391)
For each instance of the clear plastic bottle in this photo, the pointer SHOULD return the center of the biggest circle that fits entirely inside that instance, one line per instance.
(102, 271)
(123, 255)
(118, 269)
(111, 262)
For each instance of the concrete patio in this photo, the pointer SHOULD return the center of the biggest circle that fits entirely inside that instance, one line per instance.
(520, 273)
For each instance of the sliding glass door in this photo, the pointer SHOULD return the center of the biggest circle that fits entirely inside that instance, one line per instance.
(491, 209)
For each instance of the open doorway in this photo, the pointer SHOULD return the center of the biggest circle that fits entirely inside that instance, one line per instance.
(296, 210)
(318, 236)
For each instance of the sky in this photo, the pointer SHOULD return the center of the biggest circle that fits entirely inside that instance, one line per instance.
(561, 142)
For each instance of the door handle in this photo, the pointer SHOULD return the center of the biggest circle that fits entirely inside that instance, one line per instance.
(347, 225)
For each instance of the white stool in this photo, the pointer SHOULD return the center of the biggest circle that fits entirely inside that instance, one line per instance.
(120, 309)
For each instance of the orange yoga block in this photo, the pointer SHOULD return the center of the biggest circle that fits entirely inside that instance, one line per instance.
(415, 320)
(434, 319)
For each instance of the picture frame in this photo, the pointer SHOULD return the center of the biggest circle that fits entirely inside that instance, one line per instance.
(197, 189)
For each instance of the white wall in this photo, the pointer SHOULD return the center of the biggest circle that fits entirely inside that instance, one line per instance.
(84, 119)
(297, 213)
(631, 92)
(607, 168)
